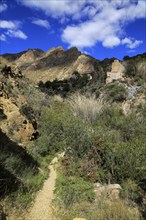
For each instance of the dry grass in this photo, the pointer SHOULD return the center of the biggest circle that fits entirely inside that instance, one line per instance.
(85, 108)
(102, 210)
(141, 69)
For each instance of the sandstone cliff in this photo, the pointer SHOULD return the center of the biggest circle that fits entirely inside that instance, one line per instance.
(117, 72)
(13, 121)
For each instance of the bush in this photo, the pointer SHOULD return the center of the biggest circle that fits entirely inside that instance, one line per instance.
(131, 156)
(130, 68)
(60, 130)
(117, 92)
(130, 191)
(129, 126)
(123, 144)
(136, 69)
(85, 108)
(70, 190)
(52, 135)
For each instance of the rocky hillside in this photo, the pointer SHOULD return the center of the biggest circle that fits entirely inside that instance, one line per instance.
(12, 57)
(60, 64)
(60, 72)
(54, 64)
(93, 110)
(17, 118)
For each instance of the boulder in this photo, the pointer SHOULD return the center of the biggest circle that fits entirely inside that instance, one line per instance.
(116, 72)
(111, 191)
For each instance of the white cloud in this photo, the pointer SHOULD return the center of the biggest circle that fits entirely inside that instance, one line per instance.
(55, 8)
(3, 7)
(135, 11)
(126, 41)
(93, 21)
(17, 34)
(12, 30)
(106, 26)
(42, 23)
(90, 11)
(3, 37)
(130, 43)
(9, 24)
(111, 41)
(87, 34)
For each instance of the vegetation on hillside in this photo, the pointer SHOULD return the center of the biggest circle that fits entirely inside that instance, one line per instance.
(83, 118)
(96, 151)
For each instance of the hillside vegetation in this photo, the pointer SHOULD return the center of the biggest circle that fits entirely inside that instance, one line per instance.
(100, 127)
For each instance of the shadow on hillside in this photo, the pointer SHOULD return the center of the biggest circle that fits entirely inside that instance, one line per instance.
(66, 86)
(14, 161)
(8, 182)
(10, 147)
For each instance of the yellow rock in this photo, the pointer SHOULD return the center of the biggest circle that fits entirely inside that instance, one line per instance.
(16, 125)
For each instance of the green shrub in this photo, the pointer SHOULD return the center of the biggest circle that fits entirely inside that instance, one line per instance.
(136, 69)
(117, 92)
(117, 157)
(130, 190)
(70, 190)
(60, 130)
(66, 86)
(129, 126)
(124, 141)
(52, 134)
(130, 68)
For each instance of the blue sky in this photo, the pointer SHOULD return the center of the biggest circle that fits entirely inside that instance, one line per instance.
(100, 28)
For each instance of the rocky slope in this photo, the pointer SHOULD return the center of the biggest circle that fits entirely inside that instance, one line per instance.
(31, 79)
(13, 106)
(54, 64)
(68, 70)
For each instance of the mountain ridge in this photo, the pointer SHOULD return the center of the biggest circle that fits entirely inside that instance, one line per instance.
(56, 63)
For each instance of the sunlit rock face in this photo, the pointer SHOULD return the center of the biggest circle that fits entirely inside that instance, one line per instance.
(17, 119)
(29, 56)
(116, 73)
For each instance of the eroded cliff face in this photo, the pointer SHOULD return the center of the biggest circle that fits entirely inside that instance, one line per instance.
(15, 124)
(117, 72)
(13, 120)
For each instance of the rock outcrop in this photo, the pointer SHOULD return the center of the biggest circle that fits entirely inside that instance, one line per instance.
(52, 50)
(11, 71)
(16, 118)
(29, 57)
(116, 72)
(15, 125)
(110, 191)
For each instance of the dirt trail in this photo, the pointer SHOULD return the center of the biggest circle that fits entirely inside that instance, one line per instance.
(42, 209)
